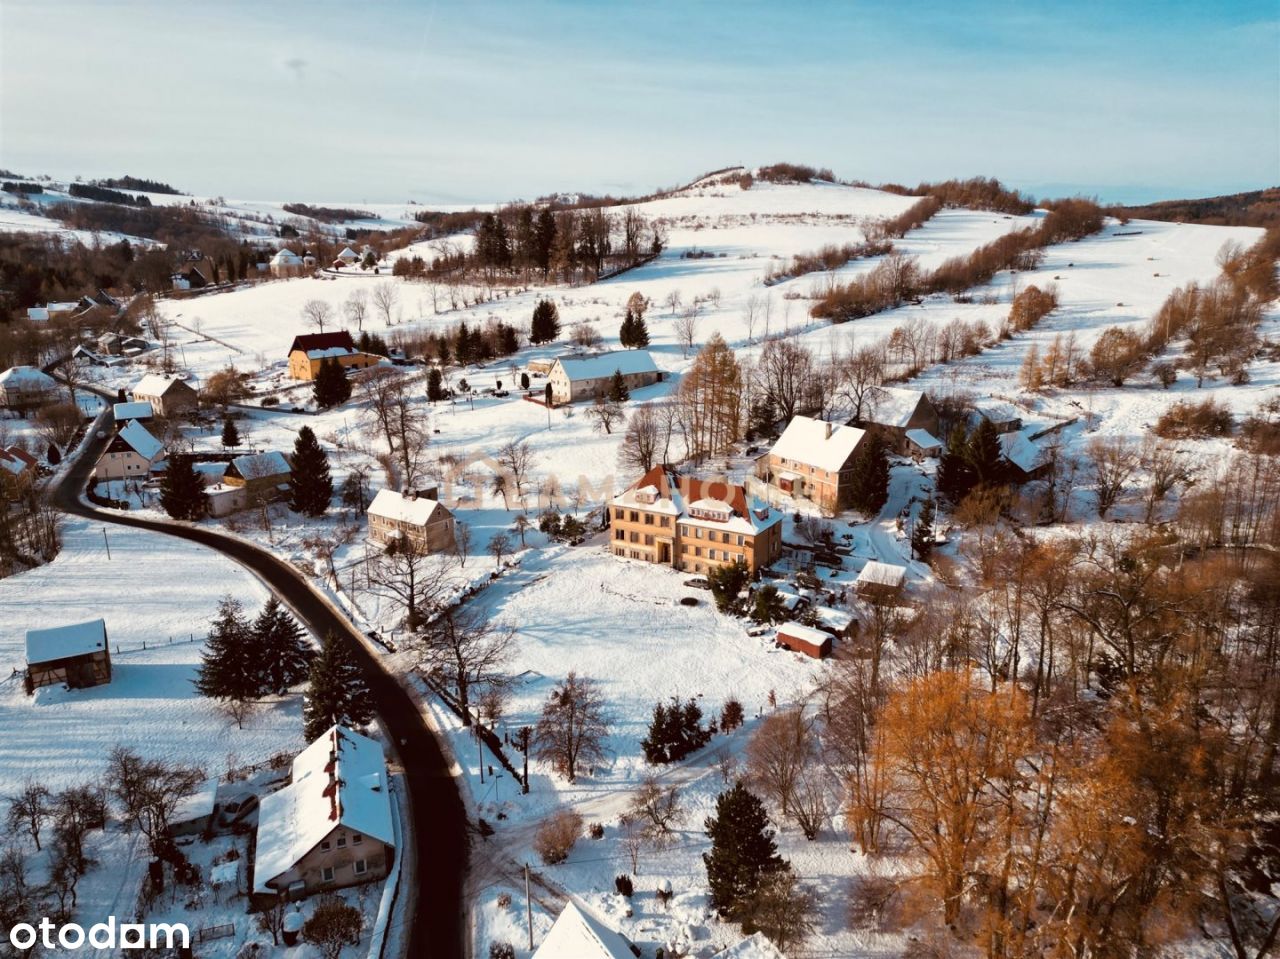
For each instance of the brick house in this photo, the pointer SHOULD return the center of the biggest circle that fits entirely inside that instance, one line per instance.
(264, 477)
(693, 524)
(577, 378)
(332, 826)
(168, 395)
(310, 350)
(132, 454)
(415, 515)
(814, 459)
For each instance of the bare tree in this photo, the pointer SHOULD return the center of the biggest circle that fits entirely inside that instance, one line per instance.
(673, 301)
(860, 375)
(751, 310)
(317, 313)
(605, 414)
(637, 304)
(658, 807)
(410, 574)
(30, 809)
(634, 834)
(778, 752)
(517, 458)
(462, 541)
(403, 422)
(499, 546)
(784, 372)
(1114, 462)
(1166, 469)
(573, 726)
(686, 329)
(356, 308)
(466, 650)
(385, 298)
(639, 449)
(585, 335)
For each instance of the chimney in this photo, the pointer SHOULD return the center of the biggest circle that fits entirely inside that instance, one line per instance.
(827, 426)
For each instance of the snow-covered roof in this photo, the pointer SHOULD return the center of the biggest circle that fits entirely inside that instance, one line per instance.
(659, 491)
(26, 378)
(198, 805)
(59, 642)
(210, 472)
(394, 505)
(998, 411)
(1022, 451)
(259, 465)
(893, 405)
(16, 460)
(63, 307)
(924, 439)
(818, 443)
(576, 934)
(339, 780)
(38, 313)
(348, 254)
(806, 633)
(137, 410)
(140, 441)
(331, 353)
(756, 946)
(882, 574)
(286, 257)
(155, 384)
(606, 364)
(832, 618)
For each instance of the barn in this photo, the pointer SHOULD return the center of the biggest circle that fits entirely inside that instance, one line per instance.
(76, 655)
(805, 639)
(880, 580)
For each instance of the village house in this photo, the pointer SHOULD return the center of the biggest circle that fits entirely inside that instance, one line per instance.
(880, 581)
(310, 350)
(18, 470)
(575, 378)
(76, 655)
(347, 256)
(140, 410)
(1025, 459)
(814, 459)
(693, 524)
(286, 263)
(51, 311)
(168, 395)
(25, 387)
(196, 272)
(413, 515)
(895, 412)
(132, 454)
(797, 637)
(577, 934)
(331, 827)
(263, 477)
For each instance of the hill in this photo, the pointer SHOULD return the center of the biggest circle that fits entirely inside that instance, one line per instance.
(1255, 208)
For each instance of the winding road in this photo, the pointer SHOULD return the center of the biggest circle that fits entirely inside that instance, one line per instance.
(433, 906)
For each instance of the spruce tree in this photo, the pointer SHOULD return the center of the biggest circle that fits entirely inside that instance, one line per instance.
(230, 435)
(869, 485)
(984, 454)
(331, 385)
(955, 475)
(53, 456)
(675, 731)
(627, 332)
(545, 326)
(639, 333)
(742, 852)
(336, 692)
(283, 652)
(310, 485)
(230, 662)
(435, 385)
(618, 392)
(922, 533)
(181, 492)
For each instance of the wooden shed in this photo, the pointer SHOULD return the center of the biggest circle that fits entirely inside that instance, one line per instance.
(805, 639)
(76, 655)
(880, 580)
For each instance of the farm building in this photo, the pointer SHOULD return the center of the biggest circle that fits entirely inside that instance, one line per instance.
(132, 454)
(347, 256)
(693, 524)
(576, 934)
(1005, 417)
(77, 655)
(50, 311)
(137, 410)
(264, 477)
(310, 350)
(575, 378)
(286, 263)
(880, 580)
(415, 515)
(797, 637)
(922, 443)
(895, 411)
(168, 395)
(331, 827)
(25, 387)
(1025, 458)
(814, 459)
(18, 470)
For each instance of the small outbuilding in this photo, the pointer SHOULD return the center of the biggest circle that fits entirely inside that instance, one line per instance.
(922, 443)
(800, 638)
(139, 410)
(76, 655)
(880, 580)
(194, 814)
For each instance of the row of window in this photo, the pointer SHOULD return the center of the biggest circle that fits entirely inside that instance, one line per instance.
(697, 531)
(359, 867)
(356, 839)
(620, 513)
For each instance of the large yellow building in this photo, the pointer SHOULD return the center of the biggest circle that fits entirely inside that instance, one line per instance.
(309, 351)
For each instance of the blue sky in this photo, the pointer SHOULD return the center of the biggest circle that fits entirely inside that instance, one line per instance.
(460, 102)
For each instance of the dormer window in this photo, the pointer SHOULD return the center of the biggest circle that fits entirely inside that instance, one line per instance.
(715, 514)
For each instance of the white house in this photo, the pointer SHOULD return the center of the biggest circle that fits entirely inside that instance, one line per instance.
(26, 386)
(286, 263)
(132, 454)
(576, 934)
(575, 378)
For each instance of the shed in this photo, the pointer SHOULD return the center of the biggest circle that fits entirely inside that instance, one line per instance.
(879, 580)
(840, 623)
(923, 443)
(805, 639)
(137, 410)
(76, 654)
(194, 814)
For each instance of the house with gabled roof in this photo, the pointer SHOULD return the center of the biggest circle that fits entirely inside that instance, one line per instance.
(415, 515)
(264, 477)
(309, 351)
(576, 378)
(693, 524)
(286, 263)
(168, 395)
(814, 459)
(132, 454)
(24, 387)
(18, 470)
(77, 655)
(332, 826)
(577, 934)
(895, 412)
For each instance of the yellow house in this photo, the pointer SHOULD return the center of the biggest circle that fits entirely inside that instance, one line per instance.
(309, 351)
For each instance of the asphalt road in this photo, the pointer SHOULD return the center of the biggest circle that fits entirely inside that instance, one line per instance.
(434, 907)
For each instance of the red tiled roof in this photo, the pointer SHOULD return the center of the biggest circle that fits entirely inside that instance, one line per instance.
(692, 489)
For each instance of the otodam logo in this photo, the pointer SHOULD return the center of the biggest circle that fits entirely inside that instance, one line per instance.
(101, 935)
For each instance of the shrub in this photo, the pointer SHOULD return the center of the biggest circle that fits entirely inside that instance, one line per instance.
(502, 950)
(1187, 420)
(596, 830)
(556, 836)
(624, 885)
(731, 715)
(1030, 307)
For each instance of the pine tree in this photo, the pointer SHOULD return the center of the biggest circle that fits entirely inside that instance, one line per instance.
(627, 332)
(230, 666)
(355, 492)
(336, 692)
(435, 385)
(310, 485)
(955, 475)
(984, 454)
(181, 492)
(53, 456)
(869, 485)
(922, 534)
(331, 385)
(618, 392)
(283, 652)
(742, 850)
(230, 435)
(545, 326)
(639, 332)
(675, 731)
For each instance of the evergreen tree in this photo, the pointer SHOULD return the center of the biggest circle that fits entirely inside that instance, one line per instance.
(524, 381)
(310, 485)
(768, 606)
(231, 666)
(984, 454)
(639, 332)
(762, 417)
(336, 692)
(545, 326)
(742, 852)
(618, 392)
(508, 339)
(955, 475)
(181, 492)
(53, 456)
(675, 731)
(283, 653)
(465, 347)
(230, 434)
(726, 583)
(435, 385)
(544, 240)
(331, 385)
(355, 492)
(922, 533)
(627, 332)
(869, 485)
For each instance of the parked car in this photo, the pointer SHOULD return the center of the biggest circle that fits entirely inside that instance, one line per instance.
(698, 582)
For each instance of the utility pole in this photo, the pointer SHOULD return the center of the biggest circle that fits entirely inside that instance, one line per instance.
(105, 543)
(528, 904)
(524, 746)
(480, 747)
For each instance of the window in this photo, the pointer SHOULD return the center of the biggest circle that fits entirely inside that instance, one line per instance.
(648, 539)
(619, 534)
(356, 839)
(635, 517)
(648, 519)
(342, 841)
(326, 874)
(665, 521)
(326, 845)
(361, 867)
(619, 513)
(740, 539)
(697, 551)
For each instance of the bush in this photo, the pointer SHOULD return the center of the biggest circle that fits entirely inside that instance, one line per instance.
(502, 950)
(727, 582)
(731, 715)
(1187, 420)
(1030, 307)
(596, 830)
(556, 836)
(624, 886)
